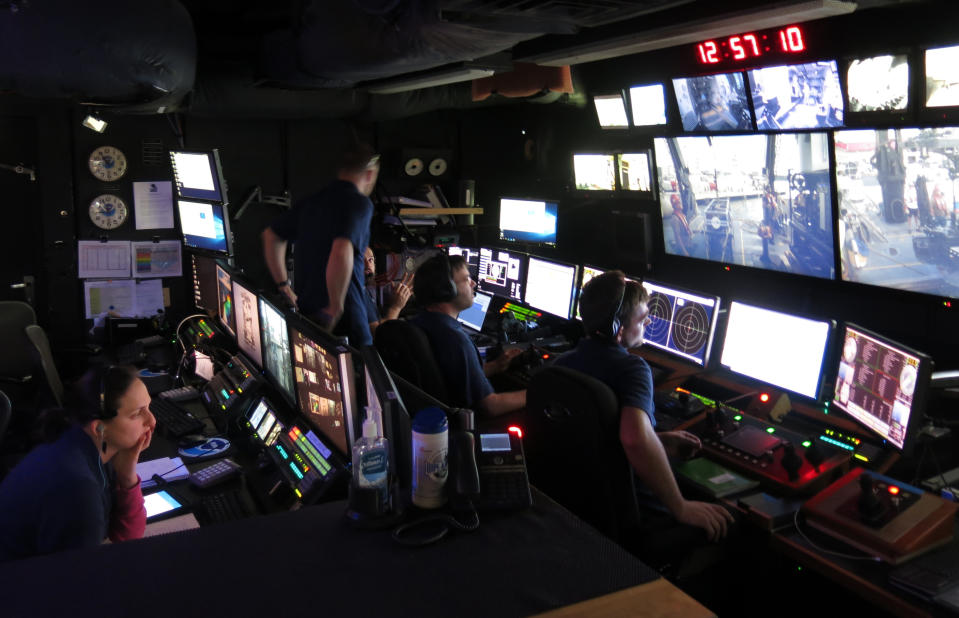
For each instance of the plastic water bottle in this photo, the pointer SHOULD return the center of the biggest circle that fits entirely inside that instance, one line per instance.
(430, 458)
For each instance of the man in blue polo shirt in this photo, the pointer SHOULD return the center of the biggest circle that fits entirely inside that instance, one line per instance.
(615, 314)
(331, 231)
(444, 287)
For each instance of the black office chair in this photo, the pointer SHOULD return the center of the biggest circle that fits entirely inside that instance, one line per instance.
(406, 352)
(6, 410)
(573, 452)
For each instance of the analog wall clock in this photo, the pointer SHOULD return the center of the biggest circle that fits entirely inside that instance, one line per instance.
(108, 211)
(108, 163)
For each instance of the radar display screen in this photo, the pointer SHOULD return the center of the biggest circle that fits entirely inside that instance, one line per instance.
(681, 323)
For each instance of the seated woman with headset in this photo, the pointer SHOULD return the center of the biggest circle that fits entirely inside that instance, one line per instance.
(83, 487)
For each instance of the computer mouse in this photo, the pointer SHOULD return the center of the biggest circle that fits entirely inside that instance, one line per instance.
(191, 440)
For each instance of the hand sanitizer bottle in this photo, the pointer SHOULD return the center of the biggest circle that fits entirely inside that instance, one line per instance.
(371, 462)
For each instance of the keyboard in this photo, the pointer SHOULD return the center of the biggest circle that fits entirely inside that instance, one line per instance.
(223, 507)
(174, 420)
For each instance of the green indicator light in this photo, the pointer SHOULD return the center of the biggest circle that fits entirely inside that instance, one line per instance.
(799, 568)
(807, 443)
(770, 430)
(738, 417)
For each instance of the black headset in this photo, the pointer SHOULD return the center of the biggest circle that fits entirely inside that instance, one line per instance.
(104, 414)
(615, 320)
(434, 281)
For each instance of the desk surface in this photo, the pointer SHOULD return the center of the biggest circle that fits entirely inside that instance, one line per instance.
(313, 561)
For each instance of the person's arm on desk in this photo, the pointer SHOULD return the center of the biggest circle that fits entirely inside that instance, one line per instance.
(648, 457)
(497, 404)
(339, 269)
(501, 363)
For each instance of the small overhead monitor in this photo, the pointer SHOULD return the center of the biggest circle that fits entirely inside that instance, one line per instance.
(634, 172)
(878, 84)
(882, 384)
(648, 104)
(323, 374)
(475, 316)
(226, 308)
(681, 323)
(797, 96)
(204, 282)
(197, 175)
(942, 76)
(276, 349)
(588, 272)
(550, 286)
(502, 273)
(780, 349)
(528, 221)
(247, 322)
(611, 111)
(713, 103)
(471, 255)
(594, 172)
(205, 226)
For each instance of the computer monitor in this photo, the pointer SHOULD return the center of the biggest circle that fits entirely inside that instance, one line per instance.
(878, 84)
(784, 350)
(276, 349)
(528, 221)
(205, 226)
(942, 76)
(736, 208)
(648, 104)
(594, 172)
(475, 316)
(797, 96)
(634, 172)
(323, 373)
(226, 308)
(588, 272)
(682, 323)
(550, 286)
(882, 384)
(197, 175)
(502, 273)
(611, 111)
(713, 103)
(247, 322)
(384, 401)
(471, 256)
(204, 282)
(897, 208)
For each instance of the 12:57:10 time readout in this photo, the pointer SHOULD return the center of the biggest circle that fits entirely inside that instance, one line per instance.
(751, 45)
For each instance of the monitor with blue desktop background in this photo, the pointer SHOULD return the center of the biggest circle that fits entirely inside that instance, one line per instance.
(247, 322)
(550, 286)
(197, 175)
(276, 350)
(226, 308)
(204, 226)
(475, 316)
(502, 273)
(713, 103)
(797, 96)
(528, 221)
(682, 323)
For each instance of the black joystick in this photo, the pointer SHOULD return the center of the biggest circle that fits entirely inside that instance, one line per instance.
(716, 420)
(815, 456)
(791, 462)
(869, 503)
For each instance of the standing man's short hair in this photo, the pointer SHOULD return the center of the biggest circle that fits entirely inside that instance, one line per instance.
(357, 158)
(607, 298)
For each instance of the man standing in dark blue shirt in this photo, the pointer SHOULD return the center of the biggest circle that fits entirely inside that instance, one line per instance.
(330, 231)
(615, 314)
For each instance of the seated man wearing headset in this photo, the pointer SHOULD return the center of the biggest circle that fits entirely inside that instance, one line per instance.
(443, 287)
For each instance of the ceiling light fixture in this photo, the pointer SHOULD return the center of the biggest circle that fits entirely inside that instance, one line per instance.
(94, 123)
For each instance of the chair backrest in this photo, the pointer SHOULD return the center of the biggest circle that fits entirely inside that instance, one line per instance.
(406, 351)
(6, 411)
(573, 452)
(41, 345)
(18, 360)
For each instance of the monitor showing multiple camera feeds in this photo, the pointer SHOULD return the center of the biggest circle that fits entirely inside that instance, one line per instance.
(713, 103)
(648, 104)
(202, 225)
(319, 388)
(681, 323)
(197, 175)
(898, 224)
(471, 256)
(798, 96)
(276, 349)
(780, 349)
(226, 309)
(880, 383)
(502, 273)
(878, 84)
(726, 203)
(527, 221)
(942, 76)
(611, 111)
(247, 322)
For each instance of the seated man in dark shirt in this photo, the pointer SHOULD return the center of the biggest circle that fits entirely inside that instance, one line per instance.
(443, 286)
(615, 314)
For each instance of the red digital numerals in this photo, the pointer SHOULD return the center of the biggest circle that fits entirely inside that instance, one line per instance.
(743, 46)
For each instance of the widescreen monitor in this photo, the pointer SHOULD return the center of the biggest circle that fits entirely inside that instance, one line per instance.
(203, 269)
(881, 384)
(898, 208)
(634, 171)
(786, 351)
(475, 316)
(247, 322)
(197, 175)
(681, 323)
(713, 103)
(471, 256)
(204, 226)
(226, 308)
(727, 204)
(528, 221)
(594, 172)
(797, 96)
(942, 76)
(323, 395)
(276, 349)
(502, 273)
(648, 104)
(878, 84)
(611, 111)
(550, 286)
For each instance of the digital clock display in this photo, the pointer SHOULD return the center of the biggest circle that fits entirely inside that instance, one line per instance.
(750, 45)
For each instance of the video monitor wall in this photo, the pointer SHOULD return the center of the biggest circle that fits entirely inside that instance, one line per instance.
(247, 322)
(878, 84)
(797, 96)
(648, 104)
(276, 349)
(681, 323)
(942, 76)
(502, 273)
(726, 205)
(898, 218)
(594, 172)
(319, 388)
(226, 309)
(713, 103)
